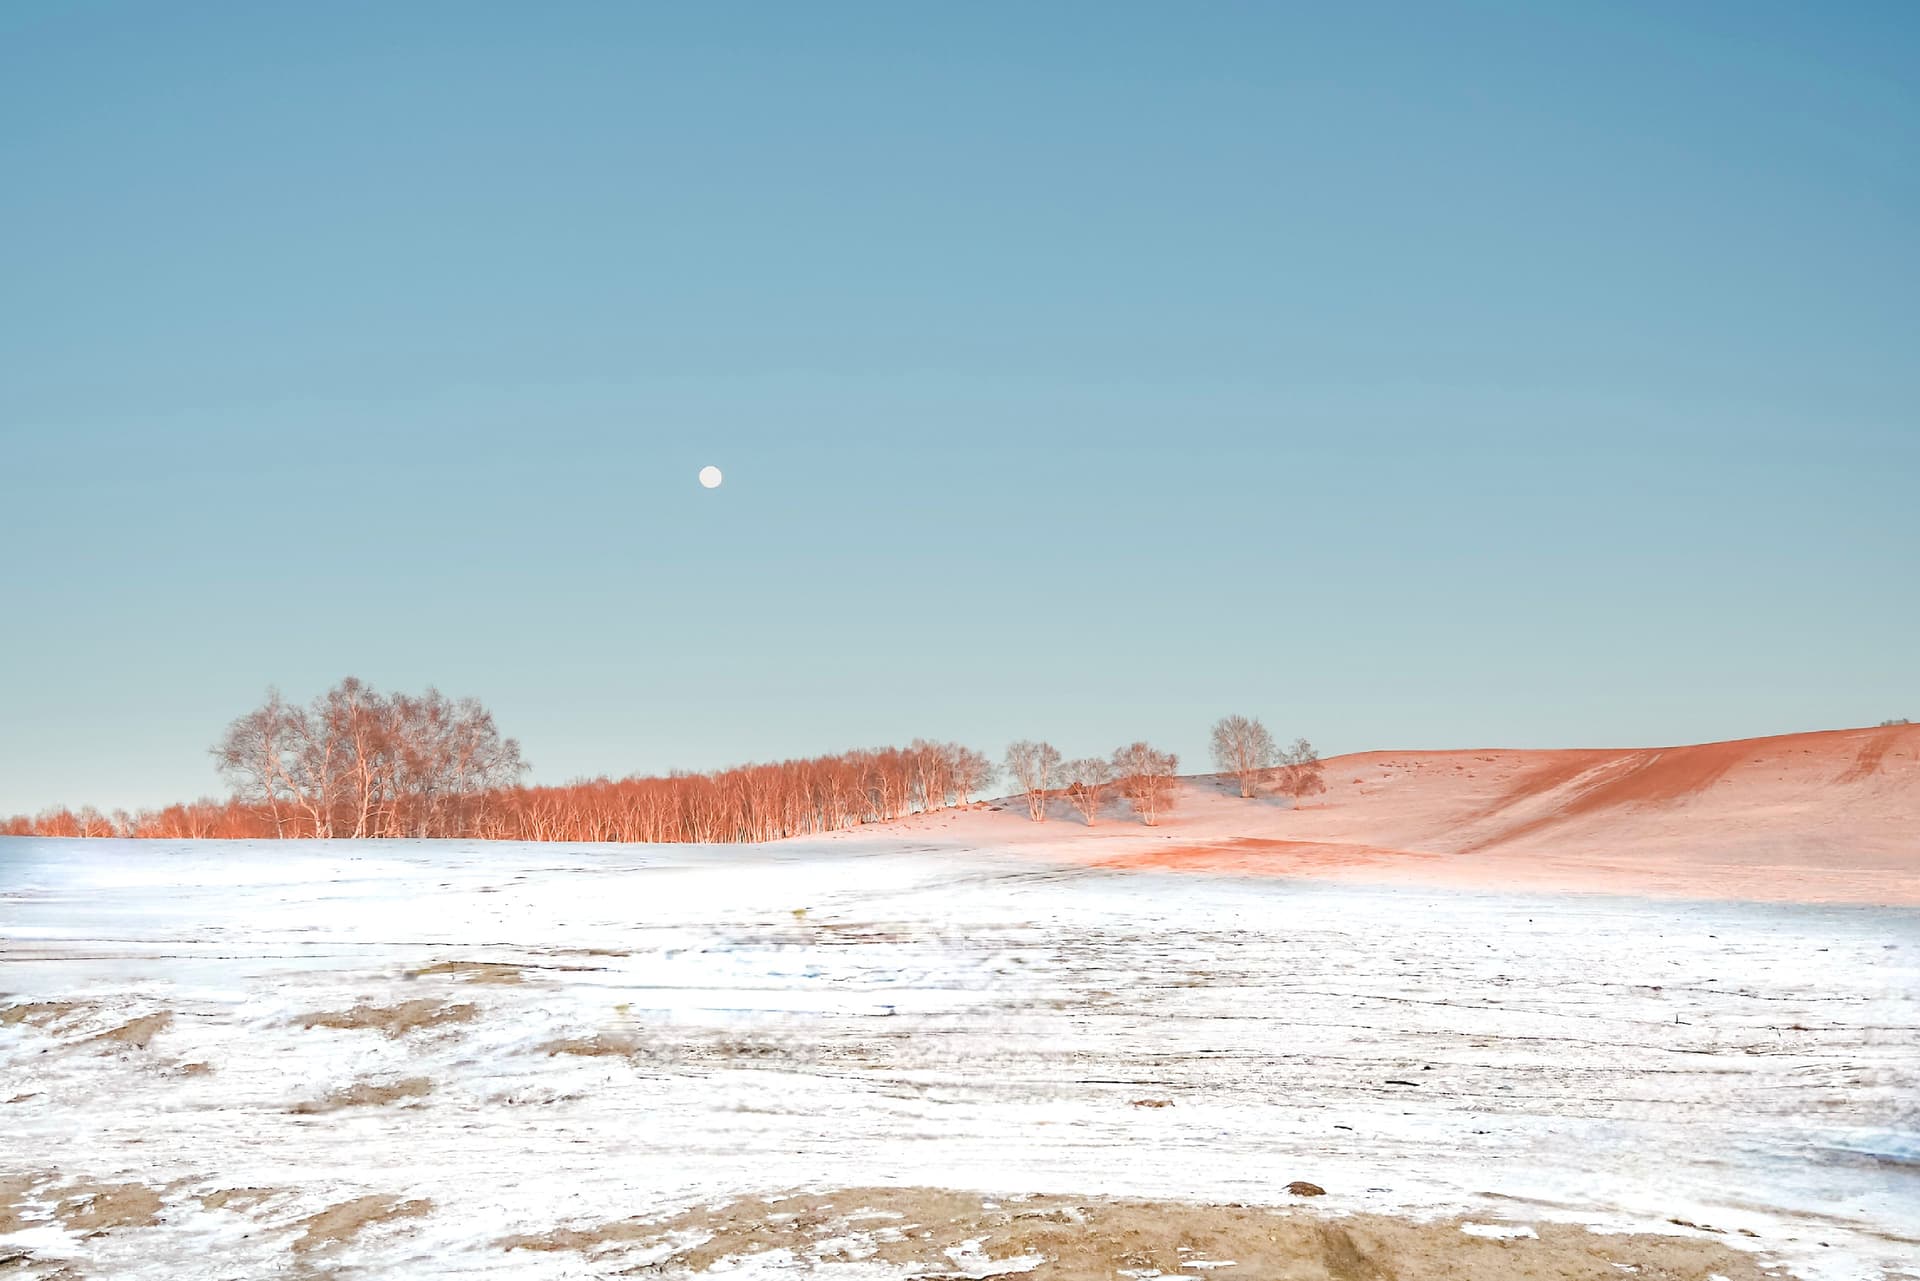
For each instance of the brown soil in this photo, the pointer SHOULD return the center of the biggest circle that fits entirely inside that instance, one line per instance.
(471, 971)
(137, 1032)
(338, 1223)
(1092, 1240)
(393, 1020)
(368, 1094)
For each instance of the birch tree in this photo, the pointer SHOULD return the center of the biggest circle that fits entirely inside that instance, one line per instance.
(972, 773)
(1087, 779)
(249, 756)
(1032, 766)
(1243, 748)
(356, 762)
(1301, 774)
(1148, 778)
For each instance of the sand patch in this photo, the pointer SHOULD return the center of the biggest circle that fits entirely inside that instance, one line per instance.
(392, 1020)
(471, 971)
(238, 1199)
(367, 1094)
(39, 1014)
(13, 1191)
(101, 1207)
(585, 1240)
(714, 1052)
(339, 1223)
(937, 1233)
(136, 1032)
(593, 1047)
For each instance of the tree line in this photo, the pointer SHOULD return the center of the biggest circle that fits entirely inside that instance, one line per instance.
(1147, 778)
(358, 763)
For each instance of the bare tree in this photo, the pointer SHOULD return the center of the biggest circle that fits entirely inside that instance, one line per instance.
(249, 755)
(1300, 772)
(1243, 748)
(1148, 778)
(448, 760)
(360, 723)
(57, 822)
(931, 766)
(1032, 766)
(93, 823)
(313, 765)
(361, 763)
(1087, 779)
(972, 772)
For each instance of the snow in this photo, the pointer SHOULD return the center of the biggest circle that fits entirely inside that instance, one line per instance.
(1498, 1231)
(972, 1261)
(816, 1015)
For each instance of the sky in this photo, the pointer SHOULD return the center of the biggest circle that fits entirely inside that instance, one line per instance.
(1406, 375)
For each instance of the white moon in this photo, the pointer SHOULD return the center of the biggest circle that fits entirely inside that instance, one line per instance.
(710, 477)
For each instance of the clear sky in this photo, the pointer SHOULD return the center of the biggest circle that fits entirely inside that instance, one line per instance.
(1424, 374)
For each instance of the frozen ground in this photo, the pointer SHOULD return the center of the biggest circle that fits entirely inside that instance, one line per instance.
(689, 1025)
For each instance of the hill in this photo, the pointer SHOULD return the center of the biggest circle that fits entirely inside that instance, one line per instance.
(1828, 816)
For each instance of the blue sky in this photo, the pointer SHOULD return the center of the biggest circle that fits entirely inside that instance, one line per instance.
(1405, 374)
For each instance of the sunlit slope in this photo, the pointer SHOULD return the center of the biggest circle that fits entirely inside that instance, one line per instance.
(1846, 795)
(1833, 815)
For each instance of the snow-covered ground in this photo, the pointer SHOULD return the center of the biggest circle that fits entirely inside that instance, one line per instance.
(691, 1024)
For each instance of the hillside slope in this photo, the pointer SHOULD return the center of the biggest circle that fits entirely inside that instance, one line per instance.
(1832, 816)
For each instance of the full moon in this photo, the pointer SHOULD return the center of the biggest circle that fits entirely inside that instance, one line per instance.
(710, 477)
